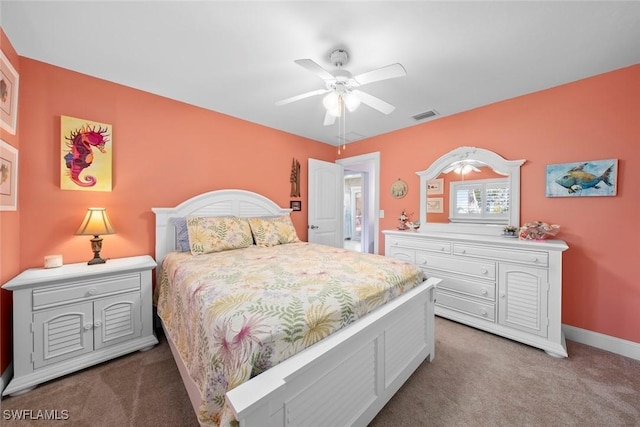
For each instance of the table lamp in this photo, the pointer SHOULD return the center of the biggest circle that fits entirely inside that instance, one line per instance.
(95, 223)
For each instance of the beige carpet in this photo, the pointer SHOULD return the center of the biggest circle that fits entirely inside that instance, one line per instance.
(477, 379)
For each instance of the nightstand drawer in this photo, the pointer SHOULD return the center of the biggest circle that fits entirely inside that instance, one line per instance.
(78, 291)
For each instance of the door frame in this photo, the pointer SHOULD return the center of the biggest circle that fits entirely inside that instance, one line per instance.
(370, 163)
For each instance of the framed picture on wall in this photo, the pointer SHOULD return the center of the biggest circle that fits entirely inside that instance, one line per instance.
(434, 186)
(9, 80)
(295, 205)
(434, 205)
(8, 177)
(581, 179)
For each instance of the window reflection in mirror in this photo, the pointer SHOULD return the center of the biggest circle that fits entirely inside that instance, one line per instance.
(480, 164)
(470, 181)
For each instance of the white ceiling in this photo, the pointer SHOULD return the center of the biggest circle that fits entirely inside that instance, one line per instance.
(237, 57)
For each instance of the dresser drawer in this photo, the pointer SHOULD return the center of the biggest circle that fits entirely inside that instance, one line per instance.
(471, 288)
(420, 244)
(484, 270)
(478, 309)
(78, 291)
(401, 253)
(540, 259)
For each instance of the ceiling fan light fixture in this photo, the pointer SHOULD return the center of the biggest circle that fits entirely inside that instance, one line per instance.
(351, 101)
(331, 101)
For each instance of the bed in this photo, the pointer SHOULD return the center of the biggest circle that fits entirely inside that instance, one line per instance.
(341, 377)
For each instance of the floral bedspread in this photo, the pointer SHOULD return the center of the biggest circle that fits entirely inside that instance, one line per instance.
(234, 314)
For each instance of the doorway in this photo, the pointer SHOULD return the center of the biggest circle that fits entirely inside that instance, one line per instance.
(354, 206)
(361, 202)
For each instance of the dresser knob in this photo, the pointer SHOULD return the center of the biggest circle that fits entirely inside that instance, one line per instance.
(463, 251)
(87, 326)
(484, 292)
(92, 291)
(503, 295)
(483, 312)
(484, 271)
(97, 324)
(534, 259)
(424, 262)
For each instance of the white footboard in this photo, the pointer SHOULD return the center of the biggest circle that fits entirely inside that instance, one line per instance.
(349, 376)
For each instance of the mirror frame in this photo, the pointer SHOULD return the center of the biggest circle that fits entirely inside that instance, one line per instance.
(509, 168)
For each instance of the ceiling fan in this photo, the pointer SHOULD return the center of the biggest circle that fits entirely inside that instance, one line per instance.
(341, 86)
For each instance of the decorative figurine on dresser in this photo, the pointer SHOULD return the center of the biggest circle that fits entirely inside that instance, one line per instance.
(507, 286)
(77, 315)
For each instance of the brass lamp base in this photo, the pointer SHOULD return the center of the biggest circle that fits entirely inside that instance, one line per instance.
(96, 247)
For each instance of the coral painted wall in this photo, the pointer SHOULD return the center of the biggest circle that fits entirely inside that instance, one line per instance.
(163, 153)
(9, 232)
(591, 119)
(166, 151)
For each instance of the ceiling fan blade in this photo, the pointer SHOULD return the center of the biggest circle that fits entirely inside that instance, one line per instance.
(329, 119)
(373, 102)
(302, 96)
(389, 72)
(315, 68)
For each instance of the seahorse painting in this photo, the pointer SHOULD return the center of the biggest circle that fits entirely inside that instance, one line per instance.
(82, 146)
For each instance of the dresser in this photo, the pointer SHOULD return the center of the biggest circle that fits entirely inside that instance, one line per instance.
(71, 317)
(502, 285)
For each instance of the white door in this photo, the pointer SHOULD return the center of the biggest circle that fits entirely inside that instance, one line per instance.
(326, 191)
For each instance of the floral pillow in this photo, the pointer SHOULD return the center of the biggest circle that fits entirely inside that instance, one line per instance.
(216, 234)
(273, 231)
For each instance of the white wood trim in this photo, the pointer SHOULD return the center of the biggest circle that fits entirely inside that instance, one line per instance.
(604, 342)
(372, 161)
(6, 377)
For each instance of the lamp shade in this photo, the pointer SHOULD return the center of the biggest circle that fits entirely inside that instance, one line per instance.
(351, 101)
(95, 223)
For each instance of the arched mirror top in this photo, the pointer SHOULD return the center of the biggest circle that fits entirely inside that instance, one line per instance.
(475, 157)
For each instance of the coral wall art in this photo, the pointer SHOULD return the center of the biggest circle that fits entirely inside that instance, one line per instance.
(8, 177)
(8, 95)
(592, 178)
(86, 155)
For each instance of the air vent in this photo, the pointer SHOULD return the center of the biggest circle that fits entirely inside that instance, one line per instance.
(425, 115)
(349, 137)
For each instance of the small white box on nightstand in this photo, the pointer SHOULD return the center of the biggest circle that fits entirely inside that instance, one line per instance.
(52, 261)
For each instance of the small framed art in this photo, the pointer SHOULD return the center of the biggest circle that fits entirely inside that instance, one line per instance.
(8, 177)
(399, 189)
(295, 205)
(8, 95)
(434, 205)
(434, 186)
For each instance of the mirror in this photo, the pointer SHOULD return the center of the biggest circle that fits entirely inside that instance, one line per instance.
(492, 168)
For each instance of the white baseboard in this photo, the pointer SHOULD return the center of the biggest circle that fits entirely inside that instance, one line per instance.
(604, 342)
(6, 377)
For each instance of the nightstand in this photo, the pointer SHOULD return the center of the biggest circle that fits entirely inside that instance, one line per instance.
(75, 316)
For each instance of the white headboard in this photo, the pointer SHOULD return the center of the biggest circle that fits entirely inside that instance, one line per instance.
(240, 203)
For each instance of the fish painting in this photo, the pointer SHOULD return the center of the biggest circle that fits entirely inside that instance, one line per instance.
(597, 178)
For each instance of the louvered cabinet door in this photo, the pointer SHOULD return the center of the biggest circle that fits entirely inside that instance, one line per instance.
(117, 319)
(522, 298)
(62, 333)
